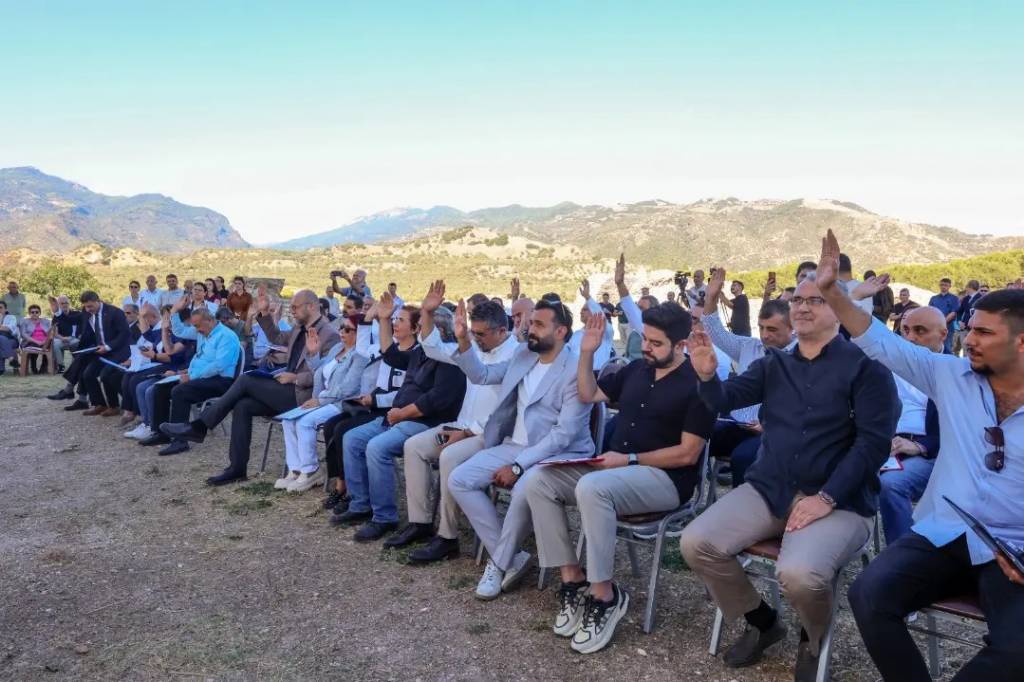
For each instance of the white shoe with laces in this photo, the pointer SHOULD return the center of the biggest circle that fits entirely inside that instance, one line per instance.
(521, 563)
(139, 432)
(489, 586)
(283, 483)
(305, 481)
(571, 599)
(599, 621)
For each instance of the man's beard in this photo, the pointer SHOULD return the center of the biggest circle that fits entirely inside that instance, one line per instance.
(538, 345)
(656, 363)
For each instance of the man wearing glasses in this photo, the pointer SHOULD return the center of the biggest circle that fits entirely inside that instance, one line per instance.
(829, 414)
(133, 295)
(980, 400)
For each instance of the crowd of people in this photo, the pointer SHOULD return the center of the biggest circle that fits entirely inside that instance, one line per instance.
(826, 419)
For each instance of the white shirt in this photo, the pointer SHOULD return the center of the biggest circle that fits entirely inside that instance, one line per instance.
(915, 408)
(170, 297)
(527, 387)
(128, 300)
(11, 322)
(693, 294)
(865, 304)
(153, 298)
(333, 305)
(480, 401)
(604, 351)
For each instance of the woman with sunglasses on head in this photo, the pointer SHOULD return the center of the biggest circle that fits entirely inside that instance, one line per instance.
(980, 467)
(337, 378)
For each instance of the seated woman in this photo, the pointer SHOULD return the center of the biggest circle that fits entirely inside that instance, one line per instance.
(173, 354)
(35, 339)
(338, 378)
(8, 336)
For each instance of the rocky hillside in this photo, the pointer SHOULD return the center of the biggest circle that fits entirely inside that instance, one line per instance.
(47, 213)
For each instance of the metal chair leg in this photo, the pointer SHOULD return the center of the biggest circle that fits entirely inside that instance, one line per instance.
(825, 647)
(634, 558)
(716, 632)
(266, 447)
(542, 578)
(934, 663)
(652, 583)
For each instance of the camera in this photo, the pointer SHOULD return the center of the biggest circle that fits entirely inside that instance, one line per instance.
(681, 278)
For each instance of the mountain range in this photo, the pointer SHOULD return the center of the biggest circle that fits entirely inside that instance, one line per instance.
(48, 213)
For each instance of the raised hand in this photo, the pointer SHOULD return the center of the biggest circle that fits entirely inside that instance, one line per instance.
(828, 263)
(385, 306)
(262, 300)
(620, 271)
(715, 286)
(312, 341)
(180, 304)
(870, 287)
(593, 334)
(461, 323)
(702, 355)
(769, 288)
(585, 289)
(514, 295)
(434, 298)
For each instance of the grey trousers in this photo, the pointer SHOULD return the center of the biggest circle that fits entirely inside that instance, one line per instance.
(58, 347)
(601, 496)
(421, 451)
(469, 484)
(808, 561)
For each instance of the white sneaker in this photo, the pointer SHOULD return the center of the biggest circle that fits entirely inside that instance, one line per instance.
(599, 621)
(139, 432)
(521, 563)
(305, 481)
(572, 599)
(283, 483)
(489, 586)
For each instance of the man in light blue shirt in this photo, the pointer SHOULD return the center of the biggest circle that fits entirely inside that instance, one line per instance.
(209, 375)
(949, 305)
(980, 401)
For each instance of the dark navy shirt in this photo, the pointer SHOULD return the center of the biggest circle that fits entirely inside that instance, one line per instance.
(828, 424)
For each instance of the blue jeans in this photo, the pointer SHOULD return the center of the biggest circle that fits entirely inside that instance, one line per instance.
(369, 453)
(899, 490)
(144, 399)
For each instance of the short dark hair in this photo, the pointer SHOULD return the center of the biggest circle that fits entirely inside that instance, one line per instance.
(34, 307)
(171, 275)
(392, 284)
(135, 282)
(563, 315)
(88, 296)
(670, 318)
(1008, 304)
(945, 280)
(973, 284)
(652, 300)
(449, 305)
(200, 283)
(736, 281)
(414, 314)
(844, 263)
(868, 274)
(551, 296)
(775, 306)
(791, 290)
(357, 299)
(490, 312)
(805, 265)
(477, 299)
(224, 314)
(238, 278)
(203, 313)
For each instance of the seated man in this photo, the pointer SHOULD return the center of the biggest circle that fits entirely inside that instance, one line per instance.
(980, 400)
(451, 443)
(8, 336)
(105, 328)
(256, 396)
(916, 443)
(652, 467)
(539, 417)
(210, 373)
(35, 340)
(65, 327)
(590, 307)
(737, 440)
(829, 414)
(431, 394)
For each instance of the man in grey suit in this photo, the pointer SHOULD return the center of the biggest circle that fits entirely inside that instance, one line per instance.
(539, 417)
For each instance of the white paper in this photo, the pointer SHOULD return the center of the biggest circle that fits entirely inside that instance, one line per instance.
(294, 413)
(173, 379)
(892, 464)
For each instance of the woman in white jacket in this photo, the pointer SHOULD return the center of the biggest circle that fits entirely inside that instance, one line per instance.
(337, 378)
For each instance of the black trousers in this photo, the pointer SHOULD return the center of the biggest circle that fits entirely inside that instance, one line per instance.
(172, 402)
(912, 573)
(131, 380)
(247, 398)
(335, 429)
(95, 373)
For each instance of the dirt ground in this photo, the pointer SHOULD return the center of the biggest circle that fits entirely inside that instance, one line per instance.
(118, 564)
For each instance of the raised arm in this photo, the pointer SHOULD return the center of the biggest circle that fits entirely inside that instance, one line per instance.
(721, 397)
(593, 335)
(431, 302)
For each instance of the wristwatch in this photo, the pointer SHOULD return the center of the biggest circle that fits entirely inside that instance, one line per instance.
(633, 459)
(827, 499)
(517, 470)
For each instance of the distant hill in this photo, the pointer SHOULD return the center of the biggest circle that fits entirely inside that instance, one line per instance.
(51, 214)
(745, 234)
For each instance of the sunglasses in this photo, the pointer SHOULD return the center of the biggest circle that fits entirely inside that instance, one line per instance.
(995, 460)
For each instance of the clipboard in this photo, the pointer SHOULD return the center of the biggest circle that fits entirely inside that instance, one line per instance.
(998, 546)
(575, 460)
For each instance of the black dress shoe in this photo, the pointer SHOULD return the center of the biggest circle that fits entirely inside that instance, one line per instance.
(439, 549)
(175, 448)
(155, 439)
(374, 530)
(183, 432)
(225, 477)
(62, 394)
(350, 518)
(77, 405)
(413, 532)
(749, 648)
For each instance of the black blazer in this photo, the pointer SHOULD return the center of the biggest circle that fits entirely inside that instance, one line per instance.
(115, 333)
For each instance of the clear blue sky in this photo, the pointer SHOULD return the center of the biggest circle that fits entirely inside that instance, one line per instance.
(292, 118)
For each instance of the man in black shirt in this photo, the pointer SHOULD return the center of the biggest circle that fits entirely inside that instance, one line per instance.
(829, 414)
(899, 309)
(740, 322)
(652, 467)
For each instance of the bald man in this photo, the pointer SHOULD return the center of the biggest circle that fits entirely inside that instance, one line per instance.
(917, 433)
(250, 396)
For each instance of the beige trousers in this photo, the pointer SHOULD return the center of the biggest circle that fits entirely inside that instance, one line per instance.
(808, 561)
(421, 451)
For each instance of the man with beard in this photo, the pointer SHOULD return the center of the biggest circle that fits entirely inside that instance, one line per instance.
(539, 417)
(652, 466)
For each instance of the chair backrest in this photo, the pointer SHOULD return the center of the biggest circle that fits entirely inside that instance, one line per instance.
(612, 366)
(240, 365)
(700, 494)
(598, 416)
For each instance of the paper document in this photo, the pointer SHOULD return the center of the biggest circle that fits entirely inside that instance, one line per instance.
(173, 379)
(90, 349)
(892, 464)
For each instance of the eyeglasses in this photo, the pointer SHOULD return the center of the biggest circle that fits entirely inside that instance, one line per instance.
(811, 301)
(995, 460)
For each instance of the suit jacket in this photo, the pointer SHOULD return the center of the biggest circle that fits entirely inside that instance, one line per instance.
(346, 379)
(26, 325)
(557, 423)
(115, 333)
(303, 370)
